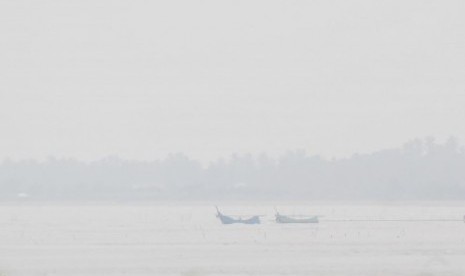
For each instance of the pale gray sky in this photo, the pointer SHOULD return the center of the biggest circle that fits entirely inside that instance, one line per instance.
(140, 79)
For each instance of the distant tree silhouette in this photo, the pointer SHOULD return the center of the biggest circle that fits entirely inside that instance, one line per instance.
(421, 169)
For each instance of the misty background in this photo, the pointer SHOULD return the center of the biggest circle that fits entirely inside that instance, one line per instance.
(141, 80)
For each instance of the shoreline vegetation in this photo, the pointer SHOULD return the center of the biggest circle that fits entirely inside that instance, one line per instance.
(420, 170)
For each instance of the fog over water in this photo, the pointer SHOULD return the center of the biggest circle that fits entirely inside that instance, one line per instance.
(232, 137)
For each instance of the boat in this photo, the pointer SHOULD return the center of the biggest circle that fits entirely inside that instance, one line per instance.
(231, 220)
(293, 219)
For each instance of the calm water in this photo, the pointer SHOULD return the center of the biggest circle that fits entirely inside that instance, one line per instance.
(187, 239)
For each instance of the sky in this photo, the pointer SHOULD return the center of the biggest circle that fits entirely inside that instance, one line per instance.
(142, 79)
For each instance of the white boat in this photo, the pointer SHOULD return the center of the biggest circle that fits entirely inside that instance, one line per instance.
(294, 219)
(231, 220)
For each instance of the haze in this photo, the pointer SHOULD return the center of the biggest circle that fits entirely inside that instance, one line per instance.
(141, 79)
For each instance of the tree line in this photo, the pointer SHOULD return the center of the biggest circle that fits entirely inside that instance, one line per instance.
(419, 170)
